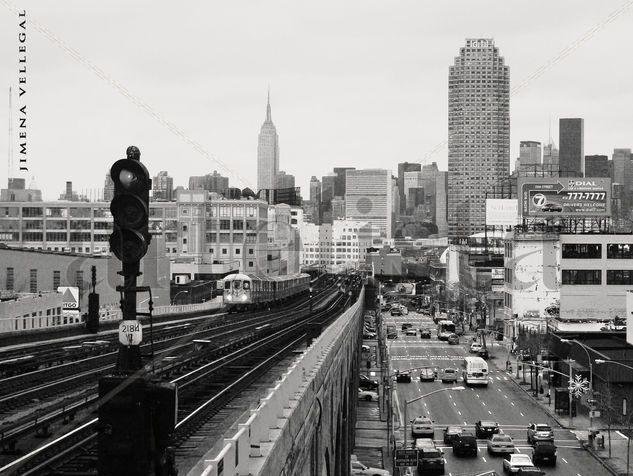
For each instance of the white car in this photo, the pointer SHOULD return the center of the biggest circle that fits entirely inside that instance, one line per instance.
(475, 347)
(358, 468)
(500, 444)
(513, 462)
(368, 395)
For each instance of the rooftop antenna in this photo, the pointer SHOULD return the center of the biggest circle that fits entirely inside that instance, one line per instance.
(10, 152)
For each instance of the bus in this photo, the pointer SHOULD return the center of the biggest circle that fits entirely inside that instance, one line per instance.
(444, 329)
(475, 371)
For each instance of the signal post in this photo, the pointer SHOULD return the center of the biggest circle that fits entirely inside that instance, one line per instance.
(136, 416)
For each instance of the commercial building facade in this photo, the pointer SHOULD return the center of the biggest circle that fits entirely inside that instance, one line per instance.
(369, 197)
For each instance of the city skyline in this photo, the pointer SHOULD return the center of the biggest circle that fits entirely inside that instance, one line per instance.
(364, 88)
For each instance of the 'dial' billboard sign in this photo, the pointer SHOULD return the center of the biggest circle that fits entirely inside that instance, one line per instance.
(565, 196)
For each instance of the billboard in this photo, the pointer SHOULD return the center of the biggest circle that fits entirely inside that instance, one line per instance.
(564, 196)
(501, 212)
(70, 298)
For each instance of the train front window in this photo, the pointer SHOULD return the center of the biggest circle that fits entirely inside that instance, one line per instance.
(227, 284)
(247, 285)
(237, 284)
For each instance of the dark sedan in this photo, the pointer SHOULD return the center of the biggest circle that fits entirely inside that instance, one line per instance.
(485, 429)
(425, 334)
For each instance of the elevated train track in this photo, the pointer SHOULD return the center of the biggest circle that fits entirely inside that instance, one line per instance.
(219, 377)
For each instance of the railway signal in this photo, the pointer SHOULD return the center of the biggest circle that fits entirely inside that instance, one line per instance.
(130, 207)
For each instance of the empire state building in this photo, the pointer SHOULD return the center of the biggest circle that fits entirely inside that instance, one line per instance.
(267, 153)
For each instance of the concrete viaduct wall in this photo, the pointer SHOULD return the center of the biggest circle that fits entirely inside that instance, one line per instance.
(305, 426)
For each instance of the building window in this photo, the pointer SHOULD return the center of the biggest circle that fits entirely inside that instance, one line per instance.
(250, 264)
(184, 241)
(237, 251)
(582, 251)
(225, 224)
(238, 224)
(620, 251)
(33, 287)
(250, 251)
(223, 251)
(56, 280)
(225, 210)
(620, 276)
(582, 276)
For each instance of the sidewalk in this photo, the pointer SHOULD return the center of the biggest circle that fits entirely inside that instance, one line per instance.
(616, 464)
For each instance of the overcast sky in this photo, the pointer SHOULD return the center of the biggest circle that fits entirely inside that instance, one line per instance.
(353, 83)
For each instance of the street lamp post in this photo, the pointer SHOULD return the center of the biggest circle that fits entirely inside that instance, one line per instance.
(173, 301)
(406, 404)
(585, 348)
(615, 362)
(569, 361)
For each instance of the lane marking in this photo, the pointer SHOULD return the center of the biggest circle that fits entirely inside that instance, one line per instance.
(483, 457)
(521, 414)
(489, 412)
(505, 396)
(565, 460)
(622, 435)
(483, 403)
(512, 403)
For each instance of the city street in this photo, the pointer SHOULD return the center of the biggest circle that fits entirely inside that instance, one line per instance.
(501, 401)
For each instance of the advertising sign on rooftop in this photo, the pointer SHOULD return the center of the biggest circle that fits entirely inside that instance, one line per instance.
(564, 196)
(501, 212)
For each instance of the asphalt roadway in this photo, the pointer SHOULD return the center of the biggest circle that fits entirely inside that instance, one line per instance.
(501, 401)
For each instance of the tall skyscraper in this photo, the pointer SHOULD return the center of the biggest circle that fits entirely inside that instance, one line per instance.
(328, 185)
(550, 160)
(571, 140)
(339, 183)
(210, 182)
(368, 197)
(267, 153)
(478, 133)
(163, 186)
(623, 174)
(597, 166)
(108, 188)
(315, 190)
(402, 168)
(284, 180)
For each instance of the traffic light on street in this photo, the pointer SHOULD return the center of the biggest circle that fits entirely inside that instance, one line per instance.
(130, 207)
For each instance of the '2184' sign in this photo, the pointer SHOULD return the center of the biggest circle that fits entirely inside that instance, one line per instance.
(130, 332)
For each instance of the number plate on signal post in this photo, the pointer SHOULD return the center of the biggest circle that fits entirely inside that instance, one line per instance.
(130, 332)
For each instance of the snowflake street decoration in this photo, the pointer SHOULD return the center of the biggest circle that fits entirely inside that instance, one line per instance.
(578, 386)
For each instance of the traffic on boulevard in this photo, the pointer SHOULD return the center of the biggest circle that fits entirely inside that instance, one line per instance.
(452, 399)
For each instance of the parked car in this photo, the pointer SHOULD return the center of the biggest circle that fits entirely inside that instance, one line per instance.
(465, 444)
(403, 376)
(359, 469)
(453, 339)
(513, 462)
(410, 332)
(450, 432)
(369, 335)
(544, 453)
(449, 374)
(422, 427)
(427, 374)
(500, 444)
(366, 383)
(406, 325)
(365, 348)
(475, 347)
(425, 334)
(539, 432)
(368, 395)
(483, 353)
(396, 311)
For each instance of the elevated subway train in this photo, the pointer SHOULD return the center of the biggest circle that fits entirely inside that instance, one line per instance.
(247, 291)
